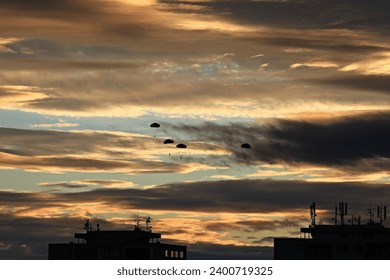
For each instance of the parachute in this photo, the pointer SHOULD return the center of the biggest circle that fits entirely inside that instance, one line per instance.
(169, 141)
(246, 146)
(155, 125)
(181, 146)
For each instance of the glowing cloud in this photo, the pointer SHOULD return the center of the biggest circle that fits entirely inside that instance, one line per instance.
(377, 64)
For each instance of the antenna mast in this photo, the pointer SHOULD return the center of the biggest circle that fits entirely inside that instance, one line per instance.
(381, 213)
(370, 216)
(335, 215)
(137, 226)
(341, 211)
(87, 225)
(148, 222)
(313, 214)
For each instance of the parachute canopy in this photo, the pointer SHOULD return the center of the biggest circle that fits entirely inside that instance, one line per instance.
(181, 146)
(155, 125)
(246, 146)
(169, 141)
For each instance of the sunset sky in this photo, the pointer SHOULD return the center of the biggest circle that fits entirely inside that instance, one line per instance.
(305, 82)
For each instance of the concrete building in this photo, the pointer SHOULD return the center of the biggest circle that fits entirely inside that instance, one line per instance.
(134, 244)
(339, 241)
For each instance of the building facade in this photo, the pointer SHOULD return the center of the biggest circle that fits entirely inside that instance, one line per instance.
(339, 241)
(134, 244)
(336, 242)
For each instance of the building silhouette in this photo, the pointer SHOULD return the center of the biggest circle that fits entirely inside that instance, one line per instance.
(137, 244)
(352, 241)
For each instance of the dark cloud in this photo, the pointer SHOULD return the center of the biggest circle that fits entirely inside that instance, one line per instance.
(380, 83)
(64, 185)
(76, 12)
(255, 196)
(42, 65)
(32, 200)
(237, 196)
(256, 225)
(265, 240)
(86, 184)
(81, 21)
(335, 45)
(347, 142)
(71, 151)
(28, 238)
(362, 14)
(85, 164)
(48, 6)
(50, 142)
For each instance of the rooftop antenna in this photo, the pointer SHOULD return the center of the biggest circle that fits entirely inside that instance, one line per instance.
(381, 213)
(370, 216)
(335, 215)
(341, 211)
(87, 225)
(137, 226)
(313, 214)
(354, 219)
(148, 222)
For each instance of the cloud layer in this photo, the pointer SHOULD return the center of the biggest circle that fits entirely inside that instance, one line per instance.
(355, 143)
(104, 59)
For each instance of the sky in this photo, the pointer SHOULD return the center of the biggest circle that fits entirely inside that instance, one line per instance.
(305, 82)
